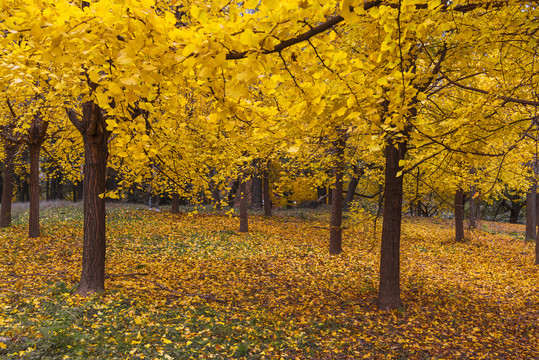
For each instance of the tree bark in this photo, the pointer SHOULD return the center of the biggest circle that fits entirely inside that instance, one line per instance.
(350, 192)
(244, 220)
(530, 213)
(459, 215)
(335, 222)
(36, 136)
(267, 194)
(33, 219)
(389, 286)
(175, 206)
(95, 137)
(537, 250)
(7, 187)
(256, 189)
(474, 207)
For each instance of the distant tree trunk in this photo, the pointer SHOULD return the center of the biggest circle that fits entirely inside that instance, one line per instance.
(92, 127)
(321, 193)
(33, 220)
(389, 286)
(7, 187)
(233, 191)
(350, 192)
(335, 222)
(267, 194)
(537, 250)
(244, 220)
(514, 213)
(175, 206)
(473, 207)
(256, 190)
(459, 215)
(530, 213)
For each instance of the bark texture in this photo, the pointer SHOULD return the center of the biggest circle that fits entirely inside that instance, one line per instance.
(459, 215)
(530, 213)
(175, 206)
(33, 220)
(7, 184)
(92, 127)
(389, 286)
(244, 220)
(256, 191)
(350, 193)
(335, 222)
(36, 136)
(267, 193)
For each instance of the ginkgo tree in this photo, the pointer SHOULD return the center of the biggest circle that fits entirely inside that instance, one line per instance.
(117, 57)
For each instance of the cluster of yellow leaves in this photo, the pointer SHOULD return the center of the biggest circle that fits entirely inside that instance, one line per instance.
(191, 287)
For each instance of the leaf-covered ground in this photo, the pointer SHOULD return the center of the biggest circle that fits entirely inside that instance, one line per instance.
(181, 287)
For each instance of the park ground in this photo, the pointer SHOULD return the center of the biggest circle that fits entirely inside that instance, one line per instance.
(191, 286)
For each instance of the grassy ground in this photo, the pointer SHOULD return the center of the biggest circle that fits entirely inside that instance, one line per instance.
(181, 287)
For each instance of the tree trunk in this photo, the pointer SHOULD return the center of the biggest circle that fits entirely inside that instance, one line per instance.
(389, 287)
(7, 187)
(335, 222)
(459, 215)
(175, 206)
(473, 207)
(537, 251)
(267, 194)
(33, 221)
(350, 193)
(244, 224)
(94, 136)
(321, 193)
(256, 198)
(514, 213)
(530, 213)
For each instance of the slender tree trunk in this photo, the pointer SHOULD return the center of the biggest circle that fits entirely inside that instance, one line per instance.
(256, 190)
(94, 136)
(322, 193)
(389, 287)
(267, 194)
(473, 207)
(335, 222)
(537, 250)
(350, 193)
(7, 187)
(175, 206)
(530, 213)
(459, 215)
(244, 220)
(33, 221)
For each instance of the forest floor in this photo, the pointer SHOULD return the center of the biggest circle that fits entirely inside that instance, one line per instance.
(191, 286)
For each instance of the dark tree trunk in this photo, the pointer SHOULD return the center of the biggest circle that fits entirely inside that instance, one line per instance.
(514, 213)
(537, 251)
(232, 194)
(36, 136)
(33, 220)
(459, 215)
(350, 193)
(175, 206)
(7, 187)
(530, 213)
(389, 287)
(267, 194)
(335, 222)
(92, 126)
(322, 193)
(244, 220)
(256, 189)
